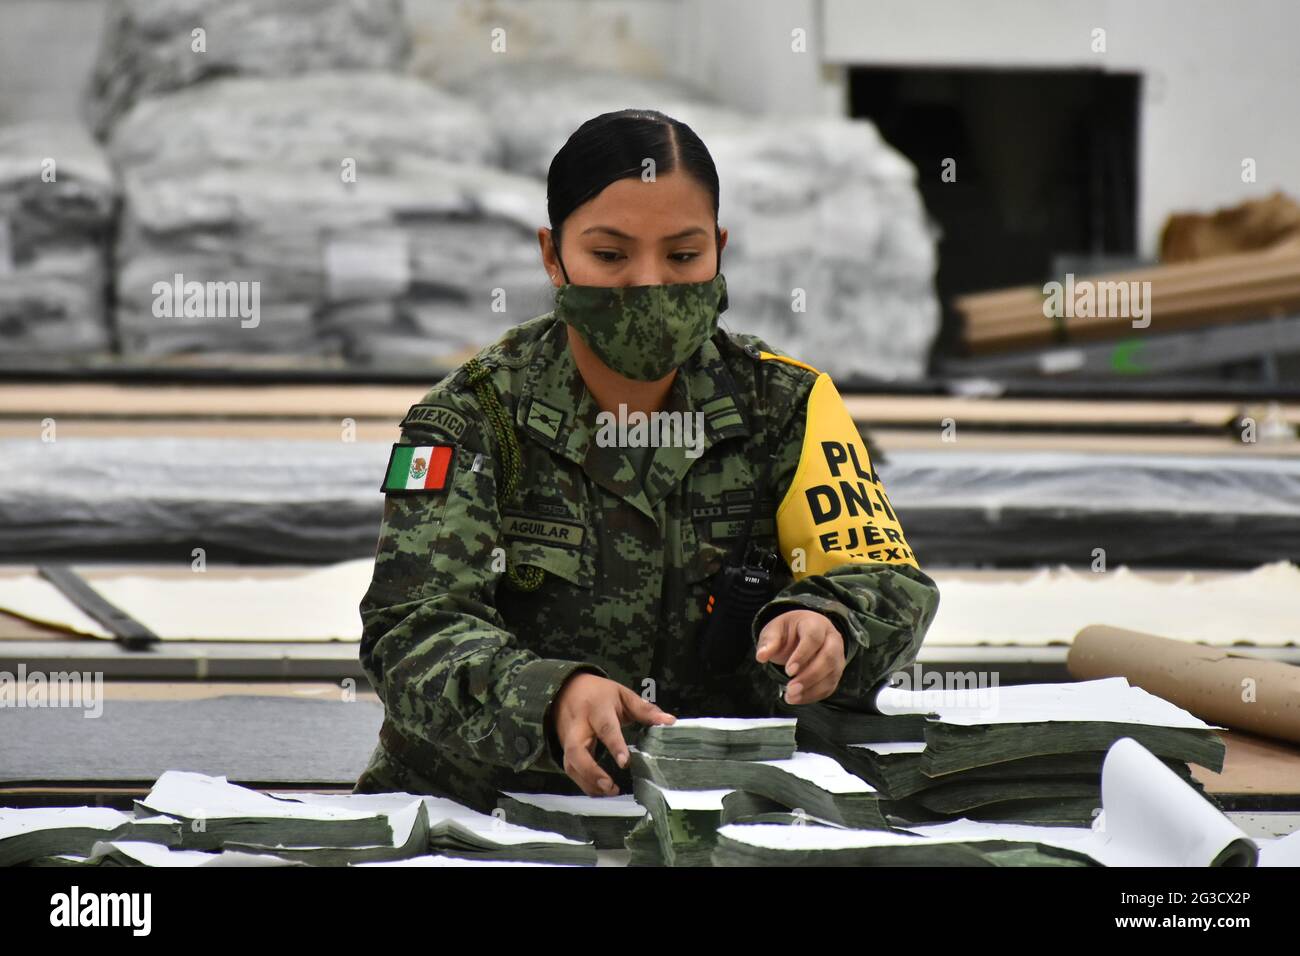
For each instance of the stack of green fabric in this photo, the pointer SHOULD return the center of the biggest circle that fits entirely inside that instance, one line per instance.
(210, 821)
(604, 822)
(28, 834)
(699, 773)
(685, 822)
(721, 738)
(459, 831)
(213, 812)
(1024, 754)
(642, 842)
(775, 845)
(812, 782)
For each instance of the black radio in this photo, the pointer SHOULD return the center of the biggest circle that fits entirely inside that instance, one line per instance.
(739, 590)
(737, 594)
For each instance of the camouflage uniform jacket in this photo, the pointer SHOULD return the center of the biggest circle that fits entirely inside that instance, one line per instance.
(467, 664)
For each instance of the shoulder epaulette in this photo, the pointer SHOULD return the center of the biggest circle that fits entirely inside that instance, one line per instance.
(788, 361)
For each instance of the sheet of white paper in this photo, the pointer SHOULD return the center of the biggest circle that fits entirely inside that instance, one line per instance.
(1282, 851)
(36, 599)
(623, 805)
(154, 854)
(1081, 839)
(823, 771)
(734, 723)
(1151, 817)
(1111, 699)
(1155, 819)
(1257, 607)
(779, 836)
(691, 799)
(436, 860)
(17, 820)
(317, 605)
(180, 793)
(894, 747)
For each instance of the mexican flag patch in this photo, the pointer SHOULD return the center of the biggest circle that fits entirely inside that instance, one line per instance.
(418, 468)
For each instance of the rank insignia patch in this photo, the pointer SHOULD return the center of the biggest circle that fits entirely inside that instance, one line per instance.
(544, 419)
(413, 468)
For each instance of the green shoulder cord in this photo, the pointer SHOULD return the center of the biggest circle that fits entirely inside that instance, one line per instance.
(478, 375)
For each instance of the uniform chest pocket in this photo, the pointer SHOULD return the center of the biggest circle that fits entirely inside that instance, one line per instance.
(718, 504)
(551, 619)
(561, 548)
(701, 558)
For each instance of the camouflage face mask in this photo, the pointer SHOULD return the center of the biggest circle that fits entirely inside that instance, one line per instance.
(644, 331)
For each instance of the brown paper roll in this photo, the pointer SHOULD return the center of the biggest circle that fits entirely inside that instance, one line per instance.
(1230, 690)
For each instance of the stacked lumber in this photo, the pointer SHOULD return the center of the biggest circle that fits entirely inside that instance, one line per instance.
(1185, 295)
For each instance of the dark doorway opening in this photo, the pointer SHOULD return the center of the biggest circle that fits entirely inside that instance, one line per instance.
(1046, 169)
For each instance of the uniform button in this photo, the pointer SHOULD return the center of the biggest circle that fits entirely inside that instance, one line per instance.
(523, 744)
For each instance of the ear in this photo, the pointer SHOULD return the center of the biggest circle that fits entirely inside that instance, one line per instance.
(546, 241)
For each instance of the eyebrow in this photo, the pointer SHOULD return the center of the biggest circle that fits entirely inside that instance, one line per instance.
(694, 230)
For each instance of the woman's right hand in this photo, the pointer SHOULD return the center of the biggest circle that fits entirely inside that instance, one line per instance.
(590, 708)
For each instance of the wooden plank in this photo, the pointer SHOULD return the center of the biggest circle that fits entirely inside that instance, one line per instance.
(311, 412)
(384, 402)
(1248, 266)
(368, 430)
(881, 410)
(1254, 765)
(931, 439)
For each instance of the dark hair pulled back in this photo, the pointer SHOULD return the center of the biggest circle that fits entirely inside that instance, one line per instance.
(614, 146)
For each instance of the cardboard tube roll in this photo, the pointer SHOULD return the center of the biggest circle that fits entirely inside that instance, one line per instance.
(1232, 690)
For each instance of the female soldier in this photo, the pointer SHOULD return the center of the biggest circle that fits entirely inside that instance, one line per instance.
(544, 580)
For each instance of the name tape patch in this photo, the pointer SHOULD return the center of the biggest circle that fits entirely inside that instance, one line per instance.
(548, 530)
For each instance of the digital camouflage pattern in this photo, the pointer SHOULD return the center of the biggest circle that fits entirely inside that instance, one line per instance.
(467, 664)
(654, 328)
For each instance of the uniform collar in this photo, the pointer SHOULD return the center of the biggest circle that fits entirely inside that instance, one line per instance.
(556, 410)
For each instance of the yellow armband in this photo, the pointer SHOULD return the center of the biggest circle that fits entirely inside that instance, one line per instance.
(836, 510)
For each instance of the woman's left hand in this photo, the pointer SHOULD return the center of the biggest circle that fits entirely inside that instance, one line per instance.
(812, 650)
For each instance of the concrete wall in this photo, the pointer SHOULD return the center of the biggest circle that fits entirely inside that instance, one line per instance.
(1221, 79)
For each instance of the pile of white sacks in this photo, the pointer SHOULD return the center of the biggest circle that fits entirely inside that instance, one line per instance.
(57, 198)
(365, 214)
(294, 191)
(152, 47)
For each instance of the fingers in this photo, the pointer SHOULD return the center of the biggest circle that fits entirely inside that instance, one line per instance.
(600, 715)
(608, 728)
(811, 638)
(818, 661)
(775, 640)
(642, 710)
(827, 661)
(582, 768)
(819, 678)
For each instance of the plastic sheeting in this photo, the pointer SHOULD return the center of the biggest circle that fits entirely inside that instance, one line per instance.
(320, 501)
(1028, 508)
(124, 498)
(57, 199)
(821, 207)
(298, 741)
